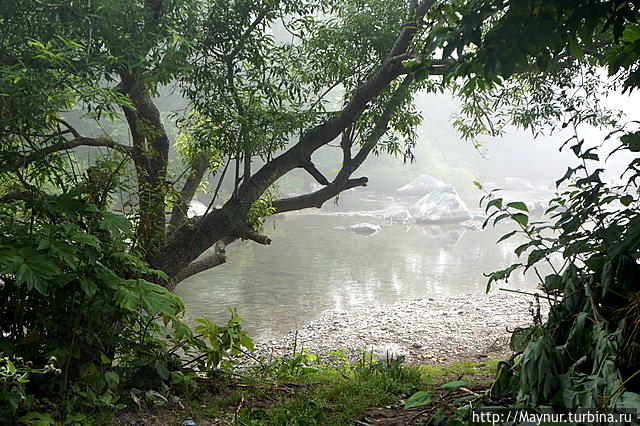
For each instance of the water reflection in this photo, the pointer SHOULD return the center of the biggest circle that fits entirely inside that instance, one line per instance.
(314, 264)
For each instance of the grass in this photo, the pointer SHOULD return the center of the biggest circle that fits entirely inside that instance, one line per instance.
(292, 393)
(481, 372)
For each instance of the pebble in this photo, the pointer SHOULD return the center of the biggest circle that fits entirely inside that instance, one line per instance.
(420, 330)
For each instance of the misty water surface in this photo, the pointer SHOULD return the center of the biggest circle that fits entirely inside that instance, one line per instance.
(313, 264)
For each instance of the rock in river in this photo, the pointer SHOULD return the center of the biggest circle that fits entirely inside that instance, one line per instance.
(364, 228)
(441, 206)
(395, 215)
(422, 185)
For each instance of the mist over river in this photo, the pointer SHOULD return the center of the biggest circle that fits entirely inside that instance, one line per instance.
(314, 263)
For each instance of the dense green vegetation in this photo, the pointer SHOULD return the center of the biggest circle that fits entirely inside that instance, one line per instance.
(93, 226)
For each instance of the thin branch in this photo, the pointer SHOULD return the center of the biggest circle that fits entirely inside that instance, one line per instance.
(248, 31)
(68, 126)
(246, 233)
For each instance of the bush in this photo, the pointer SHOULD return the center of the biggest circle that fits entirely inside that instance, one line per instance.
(79, 307)
(587, 354)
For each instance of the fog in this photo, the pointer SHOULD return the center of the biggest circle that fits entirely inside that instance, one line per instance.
(316, 263)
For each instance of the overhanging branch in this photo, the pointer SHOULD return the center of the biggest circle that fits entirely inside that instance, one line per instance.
(197, 266)
(324, 133)
(317, 198)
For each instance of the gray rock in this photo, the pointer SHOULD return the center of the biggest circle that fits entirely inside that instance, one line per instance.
(471, 225)
(397, 215)
(441, 206)
(516, 183)
(422, 185)
(364, 228)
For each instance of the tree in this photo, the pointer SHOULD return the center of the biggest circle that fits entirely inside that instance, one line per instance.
(257, 103)
(249, 95)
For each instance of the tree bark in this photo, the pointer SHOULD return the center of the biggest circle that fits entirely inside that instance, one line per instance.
(191, 184)
(150, 156)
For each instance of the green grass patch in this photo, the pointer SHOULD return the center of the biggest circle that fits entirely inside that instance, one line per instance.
(303, 393)
(480, 372)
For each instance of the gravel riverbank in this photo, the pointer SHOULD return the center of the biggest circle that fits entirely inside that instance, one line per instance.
(438, 329)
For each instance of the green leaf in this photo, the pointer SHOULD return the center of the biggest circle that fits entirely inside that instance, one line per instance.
(88, 286)
(518, 205)
(162, 370)
(567, 175)
(112, 380)
(629, 400)
(626, 200)
(497, 202)
(114, 223)
(11, 368)
(575, 49)
(455, 384)
(501, 217)
(521, 218)
(37, 419)
(155, 397)
(417, 399)
(553, 282)
(84, 238)
(506, 236)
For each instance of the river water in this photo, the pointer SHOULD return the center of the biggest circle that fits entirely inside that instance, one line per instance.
(314, 264)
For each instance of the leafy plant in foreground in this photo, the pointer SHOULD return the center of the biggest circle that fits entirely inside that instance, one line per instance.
(586, 354)
(75, 300)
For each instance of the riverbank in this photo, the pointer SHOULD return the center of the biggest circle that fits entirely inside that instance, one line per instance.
(439, 329)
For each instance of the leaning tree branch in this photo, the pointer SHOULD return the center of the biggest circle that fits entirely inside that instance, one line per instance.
(324, 133)
(318, 198)
(197, 266)
(185, 245)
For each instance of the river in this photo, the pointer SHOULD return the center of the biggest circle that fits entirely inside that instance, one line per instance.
(314, 264)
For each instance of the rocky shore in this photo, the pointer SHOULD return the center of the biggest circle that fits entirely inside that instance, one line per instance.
(439, 329)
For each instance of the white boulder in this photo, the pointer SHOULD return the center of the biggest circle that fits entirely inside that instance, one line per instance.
(422, 185)
(441, 206)
(196, 208)
(395, 215)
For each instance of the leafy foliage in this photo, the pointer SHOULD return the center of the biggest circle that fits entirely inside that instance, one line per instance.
(79, 307)
(586, 354)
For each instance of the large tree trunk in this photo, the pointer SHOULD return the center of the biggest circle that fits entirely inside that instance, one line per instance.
(150, 156)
